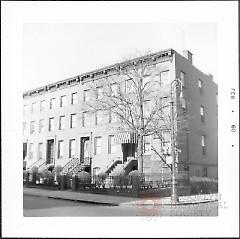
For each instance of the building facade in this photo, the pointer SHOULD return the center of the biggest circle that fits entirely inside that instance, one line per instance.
(56, 130)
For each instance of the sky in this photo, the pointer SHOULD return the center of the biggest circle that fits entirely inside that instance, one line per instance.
(56, 51)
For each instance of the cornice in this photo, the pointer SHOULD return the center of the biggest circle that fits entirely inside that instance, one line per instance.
(102, 72)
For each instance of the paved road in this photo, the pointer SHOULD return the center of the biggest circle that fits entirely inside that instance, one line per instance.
(46, 207)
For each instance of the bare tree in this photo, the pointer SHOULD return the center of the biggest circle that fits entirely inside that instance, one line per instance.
(136, 95)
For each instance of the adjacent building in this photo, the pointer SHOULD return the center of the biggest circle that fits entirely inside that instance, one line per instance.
(56, 131)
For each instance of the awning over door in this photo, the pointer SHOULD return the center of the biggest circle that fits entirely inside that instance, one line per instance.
(126, 137)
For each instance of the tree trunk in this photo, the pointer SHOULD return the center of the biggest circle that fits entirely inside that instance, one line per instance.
(140, 152)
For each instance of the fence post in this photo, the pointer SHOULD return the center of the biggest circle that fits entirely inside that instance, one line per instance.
(63, 182)
(74, 183)
(135, 185)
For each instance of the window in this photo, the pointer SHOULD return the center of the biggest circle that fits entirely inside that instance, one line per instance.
(60, 149)
(114, 89)
(146, 80)
(99, 117)
(73, 119)
(86, 119)
(147, 145)
(41, 125)
(51, 124)
(25, 108)
(200, 86)
(204, 145)
(33, 107)
(24, 128)
(99, 93)
(74, 98)
(63, 100)
(111, 145)
(129, 86)
(147, 108)
(32, 127)
(205, 172)
(53, 103)
(112, 117)
(42, 105)
(86, 95)
(62, 122)
(40, 151)
(72, 145)
(183, 103)
(164, 78)
(30, 151)
(202, 113)
(182, 78)
(97, 145)
(166, 142)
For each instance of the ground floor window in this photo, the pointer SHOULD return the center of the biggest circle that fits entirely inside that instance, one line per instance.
(72, 144)
(31, 151)
(40, 151)
(60, 148)
(97, 145)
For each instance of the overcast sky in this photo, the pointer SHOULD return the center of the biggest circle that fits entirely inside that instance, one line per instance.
(56, 51)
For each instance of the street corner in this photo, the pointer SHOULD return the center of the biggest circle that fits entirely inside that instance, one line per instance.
(149, 206)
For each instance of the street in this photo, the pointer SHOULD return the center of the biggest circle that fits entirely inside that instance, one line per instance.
(46, 207)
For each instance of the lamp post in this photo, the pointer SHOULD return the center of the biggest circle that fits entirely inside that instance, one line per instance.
(174, 195)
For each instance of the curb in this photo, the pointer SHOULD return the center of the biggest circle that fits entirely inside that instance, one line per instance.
(170, 204)
(73, 200)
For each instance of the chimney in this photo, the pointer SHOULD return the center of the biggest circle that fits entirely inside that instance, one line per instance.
(188, 55)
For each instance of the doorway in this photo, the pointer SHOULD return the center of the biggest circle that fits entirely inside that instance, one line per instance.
(85, 150)
(24, 151)
(50, 151)
(129, 150)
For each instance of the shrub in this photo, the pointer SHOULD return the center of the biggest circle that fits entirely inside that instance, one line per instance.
(100, 179)
(34, 169)
(58, 170)
(84, 177)
(25, 175)
(203, 185)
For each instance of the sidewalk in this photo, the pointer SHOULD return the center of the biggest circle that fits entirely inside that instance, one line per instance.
(116, 200)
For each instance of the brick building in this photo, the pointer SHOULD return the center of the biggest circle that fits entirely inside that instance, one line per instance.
(57, 132)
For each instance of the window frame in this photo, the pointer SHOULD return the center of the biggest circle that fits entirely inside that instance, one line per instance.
(85, 94)
(41, 126)
(60, 122)
(33, 107)
(202, 113)
(96, 146)
(32, 127)
(51, 126)
(63, 101)
(203, 144)
(70, 149)
(41, 143)
(59, 149)
(52, 103)
(31, 151)
(183, 80)
(74, 100)
(161, 79)
(42, 105)
(111, 145)
(71, 120)
(200, 86)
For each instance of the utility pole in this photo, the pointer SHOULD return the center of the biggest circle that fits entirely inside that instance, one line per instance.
(174, 195)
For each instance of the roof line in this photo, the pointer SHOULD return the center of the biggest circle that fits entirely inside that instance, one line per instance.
(80, 77)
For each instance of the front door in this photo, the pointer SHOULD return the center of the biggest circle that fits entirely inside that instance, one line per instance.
(128, 150)
(85, 150)
(50, 151)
